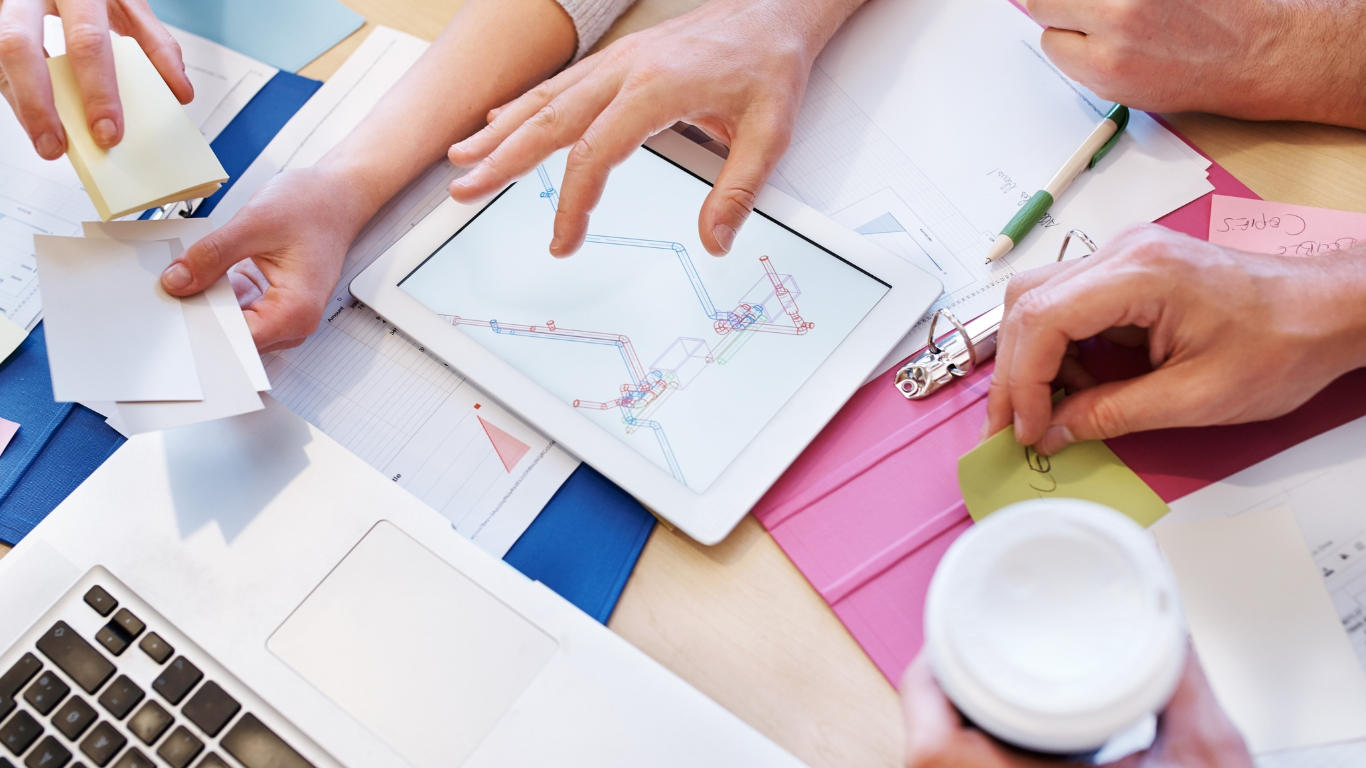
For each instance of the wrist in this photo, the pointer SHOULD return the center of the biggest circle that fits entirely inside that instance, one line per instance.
(1311, 63)
(1326, 296)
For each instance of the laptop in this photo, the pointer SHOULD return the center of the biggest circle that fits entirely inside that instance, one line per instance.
(247, 593)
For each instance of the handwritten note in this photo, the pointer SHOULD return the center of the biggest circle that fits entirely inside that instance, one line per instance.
(7, 431)
(11, 336)
(1259, 226)
(1000, 471)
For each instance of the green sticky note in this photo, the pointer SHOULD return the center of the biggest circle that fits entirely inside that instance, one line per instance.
(11, 336)
(1000, 471)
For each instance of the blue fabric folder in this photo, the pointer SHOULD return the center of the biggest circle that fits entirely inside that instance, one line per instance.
(584, 544)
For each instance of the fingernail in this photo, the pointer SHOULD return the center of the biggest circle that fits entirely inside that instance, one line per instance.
(49, 147)
(104, 132)
(1056, 438)
(177, 277)
(1018, 428)
(983, 435)
(554, 245)
(725, 235)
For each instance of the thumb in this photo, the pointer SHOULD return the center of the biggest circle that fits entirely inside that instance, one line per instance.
(203, 263)
(753, 156)
(1151, 401)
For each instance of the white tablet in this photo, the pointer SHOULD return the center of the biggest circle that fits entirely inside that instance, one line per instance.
(691, 381)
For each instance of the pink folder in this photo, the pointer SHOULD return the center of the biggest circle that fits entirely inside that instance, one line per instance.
(870, 507)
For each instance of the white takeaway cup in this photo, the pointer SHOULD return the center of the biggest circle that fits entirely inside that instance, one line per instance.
(1055, 625)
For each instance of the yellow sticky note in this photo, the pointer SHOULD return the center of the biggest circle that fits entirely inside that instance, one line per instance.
(1000, 471)
(162, 159)
(11, 336)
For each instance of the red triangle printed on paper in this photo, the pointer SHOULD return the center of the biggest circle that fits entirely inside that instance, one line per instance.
(510, 449)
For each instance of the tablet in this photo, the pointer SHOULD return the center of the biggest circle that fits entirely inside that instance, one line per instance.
(692, 381)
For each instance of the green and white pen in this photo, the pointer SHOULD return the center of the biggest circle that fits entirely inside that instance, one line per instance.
(1097, 145)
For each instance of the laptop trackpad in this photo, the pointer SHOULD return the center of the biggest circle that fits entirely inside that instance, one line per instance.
(410, 647)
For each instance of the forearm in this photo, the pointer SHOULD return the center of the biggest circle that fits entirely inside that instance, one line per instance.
(492, 51)
(1325, 296)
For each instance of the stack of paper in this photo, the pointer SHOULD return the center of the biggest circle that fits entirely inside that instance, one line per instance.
(119, 343)
(926, 124)
(162, 157)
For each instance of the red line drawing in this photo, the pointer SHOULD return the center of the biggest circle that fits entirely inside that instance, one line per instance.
(510, 449)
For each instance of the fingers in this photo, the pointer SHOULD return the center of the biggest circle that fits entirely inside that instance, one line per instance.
(1065, 14)
(213, 255)
(548, 118)
(754, 154)
(1070, 51)
(1152, 401)
(29, 86)
(136, 20)
(92, 60)
(999, 409)
(930, 717)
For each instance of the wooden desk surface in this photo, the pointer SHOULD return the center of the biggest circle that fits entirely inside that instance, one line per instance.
(737, 620)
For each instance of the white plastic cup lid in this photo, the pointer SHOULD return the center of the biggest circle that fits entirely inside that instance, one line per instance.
(1054, 624)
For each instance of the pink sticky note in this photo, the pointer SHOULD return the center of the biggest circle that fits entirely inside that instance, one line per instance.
(1260, 226)
(7, 430)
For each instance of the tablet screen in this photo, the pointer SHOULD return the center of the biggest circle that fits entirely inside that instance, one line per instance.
(681, 355)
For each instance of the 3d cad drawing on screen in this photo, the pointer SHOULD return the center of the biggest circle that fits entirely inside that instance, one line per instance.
(682, 356)
(774, 295)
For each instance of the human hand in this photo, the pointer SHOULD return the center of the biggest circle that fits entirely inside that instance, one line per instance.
(1193, 731)
(1232, 337)
(1258, 60)
(24, 78)
(285, 250)
(737, 69)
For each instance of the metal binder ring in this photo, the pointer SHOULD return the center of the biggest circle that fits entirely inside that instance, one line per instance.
(967, 340)
(1077, 233)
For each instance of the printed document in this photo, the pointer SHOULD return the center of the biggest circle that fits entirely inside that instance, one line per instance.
(927, 124)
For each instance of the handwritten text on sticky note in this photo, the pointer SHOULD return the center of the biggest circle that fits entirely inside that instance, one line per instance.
(1259, 226)
(1000, 471)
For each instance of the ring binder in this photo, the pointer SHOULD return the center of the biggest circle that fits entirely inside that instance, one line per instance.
(966, 346)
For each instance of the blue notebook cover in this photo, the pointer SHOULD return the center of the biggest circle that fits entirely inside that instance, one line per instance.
(584, 545)
(286, 34)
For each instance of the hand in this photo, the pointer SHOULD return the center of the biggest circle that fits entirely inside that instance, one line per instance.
(1193, 731)
(1232, 337)
(737, 69)
(285, 248)
(24, 78)
(1257, 59)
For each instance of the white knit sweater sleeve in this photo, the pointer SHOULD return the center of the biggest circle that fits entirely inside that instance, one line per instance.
(592, 18)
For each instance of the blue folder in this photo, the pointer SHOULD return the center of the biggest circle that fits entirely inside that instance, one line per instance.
(584, 544)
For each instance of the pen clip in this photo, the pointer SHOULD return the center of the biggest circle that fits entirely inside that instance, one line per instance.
(1119, 115)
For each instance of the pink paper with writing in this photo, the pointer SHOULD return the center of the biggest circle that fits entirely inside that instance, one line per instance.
(1260, 226)
(7, 431)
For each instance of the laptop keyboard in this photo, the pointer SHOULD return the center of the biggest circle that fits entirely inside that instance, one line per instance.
(102, 686)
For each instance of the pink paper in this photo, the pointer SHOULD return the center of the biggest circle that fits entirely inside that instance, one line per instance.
(7, 432)
(1260, 226)
(869, 508)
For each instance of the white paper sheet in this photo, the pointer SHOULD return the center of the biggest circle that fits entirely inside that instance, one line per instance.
(112, 332)
(1266, 631)
(363, 382)
(1320, 479)
(228, 390)
(220, 295)
(927, 124)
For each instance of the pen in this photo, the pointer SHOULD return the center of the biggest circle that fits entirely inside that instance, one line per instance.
(1096, 146)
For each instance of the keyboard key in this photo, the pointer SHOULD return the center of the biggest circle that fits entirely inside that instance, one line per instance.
(134, 759)
(180, 747)
(102, 744)
(101, 601)
(112, 639)
(46, 692)
(256, 746)
(213, 761)
(130, 624)
(211, 708)
(5, 763)
(74, 656)
(177, 680)
(19, 733)
(49, 754)
(22, 672)
(154, 646)
(150, 722)
(74, 717)
(120, 697)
